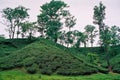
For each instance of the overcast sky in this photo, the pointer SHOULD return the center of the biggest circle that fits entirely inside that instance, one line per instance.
(81, 9)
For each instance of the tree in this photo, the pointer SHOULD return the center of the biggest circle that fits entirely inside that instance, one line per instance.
(77, 35)
(99, 16)
(14, 17)
(69, 38)
(84, 39)
(51, 18)
(104, 32)
(41, 24)
(8, 15)
(106, 39)
(115, 35)
(28, 27)
(70, 21)
(62, 37)
(20, 13)
(90, 30)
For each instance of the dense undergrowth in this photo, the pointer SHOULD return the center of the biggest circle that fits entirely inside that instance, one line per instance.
(46, 57)
(7, 46)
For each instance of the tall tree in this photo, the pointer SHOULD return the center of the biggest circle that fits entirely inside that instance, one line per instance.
(7, 13)
(99, 16)
(20, 13)
(90, 29)
(14, 17)
(104, 31)
(52, 17)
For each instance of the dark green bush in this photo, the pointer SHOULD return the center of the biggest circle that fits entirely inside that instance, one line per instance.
(28, 61)
(116, 68)
(32, 69)
(46, 70)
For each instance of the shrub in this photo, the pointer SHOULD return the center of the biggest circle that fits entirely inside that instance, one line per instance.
(46, 70)
(28, 61)
(116, 68)
(32, 69)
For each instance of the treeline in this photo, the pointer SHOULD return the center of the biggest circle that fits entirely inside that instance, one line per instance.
(55, 23)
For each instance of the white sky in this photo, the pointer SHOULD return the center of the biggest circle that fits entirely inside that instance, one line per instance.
(81, 9)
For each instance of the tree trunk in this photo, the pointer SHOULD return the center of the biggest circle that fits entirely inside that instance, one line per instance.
(85, 44)
(109, 66)
(91, 44)
(18, 32)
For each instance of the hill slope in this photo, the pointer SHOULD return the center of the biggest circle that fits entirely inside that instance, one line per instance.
(8, 46)
(44, 57)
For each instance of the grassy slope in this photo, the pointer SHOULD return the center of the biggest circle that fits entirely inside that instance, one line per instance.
(19, 75)
(43, 56)
(33, 50)
(9, 46)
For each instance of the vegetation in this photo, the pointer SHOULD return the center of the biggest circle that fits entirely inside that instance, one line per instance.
(19, 75)
(35, 58)
(58, 53)
(13, 19)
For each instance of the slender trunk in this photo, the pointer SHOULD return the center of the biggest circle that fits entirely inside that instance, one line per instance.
(67, 45)
(85, 44)
(107, 50)
(91, 40)
(10, 34)
(92, 44)
(18, 32)
(55, 40)
(42, 34)
(109, 66)
(13, 33)
(10, 31)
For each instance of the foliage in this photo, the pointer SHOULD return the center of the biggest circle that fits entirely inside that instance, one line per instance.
(53, 16)
(91, 33)
(28, 27)
(14, 17)
(70, 21)
(49, 59)
(115, 63)
(93, 58)
(99, 16)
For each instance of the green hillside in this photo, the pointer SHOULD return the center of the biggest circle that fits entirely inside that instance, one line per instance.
(43, 56)
(8, 46)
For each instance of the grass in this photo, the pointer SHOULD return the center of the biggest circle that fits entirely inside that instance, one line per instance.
(19, 75)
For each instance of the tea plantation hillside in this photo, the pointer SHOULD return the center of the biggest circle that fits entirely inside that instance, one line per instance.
(43, 56)
(8, 46)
